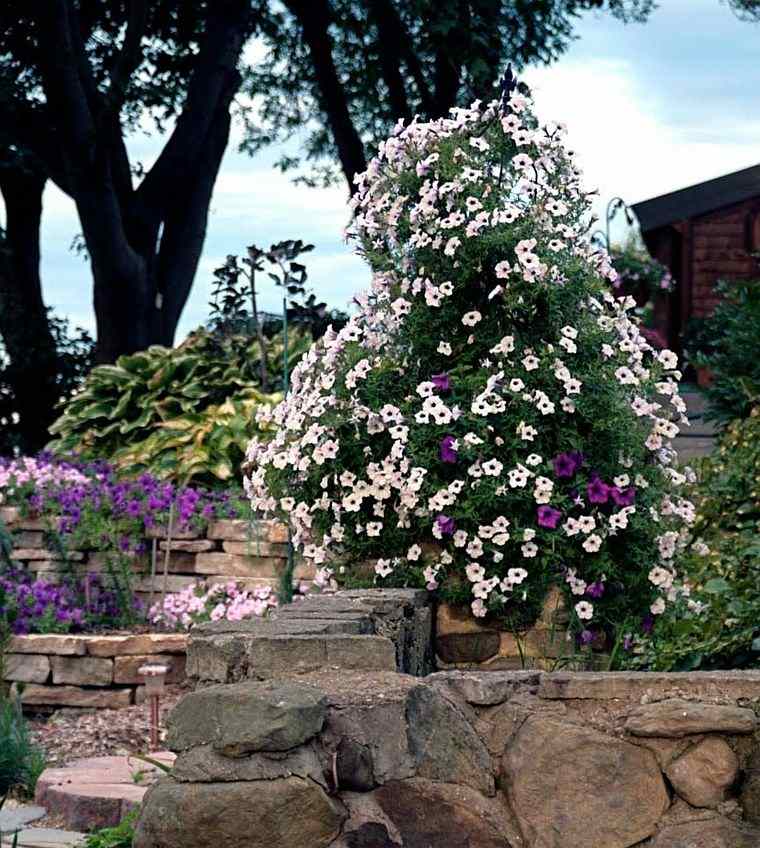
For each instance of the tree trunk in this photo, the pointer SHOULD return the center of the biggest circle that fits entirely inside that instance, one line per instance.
(145, 243)
(33, 370)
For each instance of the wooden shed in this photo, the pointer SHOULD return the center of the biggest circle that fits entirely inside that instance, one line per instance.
(703, 233)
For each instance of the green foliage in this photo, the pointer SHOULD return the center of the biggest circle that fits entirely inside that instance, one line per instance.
(21, 762)
(120, 836)
(719, 625)
(182, 413)
(728, 343)
(645, 280)
(74, 357)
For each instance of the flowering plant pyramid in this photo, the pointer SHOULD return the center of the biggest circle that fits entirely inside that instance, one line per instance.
(492, 421)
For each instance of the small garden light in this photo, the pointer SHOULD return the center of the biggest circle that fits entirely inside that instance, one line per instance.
(154, 675)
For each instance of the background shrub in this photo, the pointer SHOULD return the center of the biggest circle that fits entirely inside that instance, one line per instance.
(728, 343)
(184, 413)
(718, 626)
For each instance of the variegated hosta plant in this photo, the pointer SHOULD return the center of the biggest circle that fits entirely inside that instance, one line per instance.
(492, 403)
(185, 414)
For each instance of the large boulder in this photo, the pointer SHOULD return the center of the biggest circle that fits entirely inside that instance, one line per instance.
(570, 785)
(261, 814)
(445, 747)
(419, 813)
(704, 773)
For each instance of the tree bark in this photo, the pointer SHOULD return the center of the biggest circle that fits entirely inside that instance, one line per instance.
(314, 19)
(145, 243)
(33, 369)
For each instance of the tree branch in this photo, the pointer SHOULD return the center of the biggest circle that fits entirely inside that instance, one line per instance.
(129, 58)
(387, 12)
(227, 28)
(390, 47)
(314, 19)
(64, 90)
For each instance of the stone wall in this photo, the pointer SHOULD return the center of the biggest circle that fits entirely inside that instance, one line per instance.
(323, 727)
(89, 671)
(251, 554)
(505, 759)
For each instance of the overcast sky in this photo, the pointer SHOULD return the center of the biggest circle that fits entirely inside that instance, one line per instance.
(649, 109)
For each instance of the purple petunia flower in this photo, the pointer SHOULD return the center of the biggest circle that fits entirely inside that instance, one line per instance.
(597, 491)
(623, 497)
(548, 517)
(587, 637)
(566, 464)
(447, 451)
(441, 382)
(595, 590)
(446, 525)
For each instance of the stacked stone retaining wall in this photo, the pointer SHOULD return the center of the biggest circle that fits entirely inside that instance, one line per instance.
(307, 728)
(89, 671)
(249, 553)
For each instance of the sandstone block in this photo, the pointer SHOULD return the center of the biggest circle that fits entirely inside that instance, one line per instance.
(139, 643)
(237, 530)
(26, 554)
(704, 773)
(193, 546)
(53, 643)
(182, 533)
(260, 814)
(10, 516)
(232, 530)
(28, 523)
(676, 717)
(571, 785)
(82, 671)
(126, 668)
(73, 696)
(27, 668)
(28, 539)
(255, 548)
(238, 566)
(243, 718)
(173, 582)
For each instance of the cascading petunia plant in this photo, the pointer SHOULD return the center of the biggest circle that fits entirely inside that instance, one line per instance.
(492, 421)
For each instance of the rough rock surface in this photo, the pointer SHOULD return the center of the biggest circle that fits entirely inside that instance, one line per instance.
(719, 832)
(245, 717)
(676, 717)
(424, 814)
(443, 744)
(570, 785)
(290, 811)
(704, 773)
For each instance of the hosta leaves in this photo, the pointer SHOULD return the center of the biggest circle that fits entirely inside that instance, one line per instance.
(184, 413)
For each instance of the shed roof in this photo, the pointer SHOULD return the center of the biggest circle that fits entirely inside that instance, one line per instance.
(698, 199)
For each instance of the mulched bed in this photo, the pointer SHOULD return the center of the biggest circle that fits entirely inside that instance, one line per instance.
(71, 734)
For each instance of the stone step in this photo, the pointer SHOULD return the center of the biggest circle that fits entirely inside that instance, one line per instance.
(96, 792)
(240, 656)
(43, 837)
